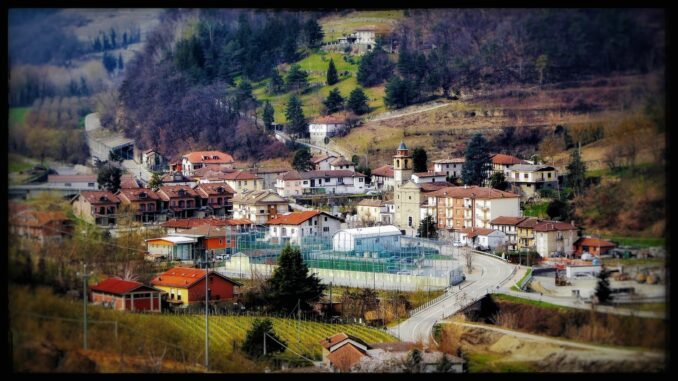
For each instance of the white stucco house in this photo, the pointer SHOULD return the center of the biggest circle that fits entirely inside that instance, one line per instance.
(295, 226)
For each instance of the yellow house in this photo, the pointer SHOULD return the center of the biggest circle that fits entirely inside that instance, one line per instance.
(526, 234)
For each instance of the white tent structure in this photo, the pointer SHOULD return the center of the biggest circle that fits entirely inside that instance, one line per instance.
(375, 238)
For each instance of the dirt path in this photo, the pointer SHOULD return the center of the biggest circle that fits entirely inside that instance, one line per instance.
(389, 115)
(603, 351)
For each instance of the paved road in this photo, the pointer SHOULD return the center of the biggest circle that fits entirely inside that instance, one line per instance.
(488, 274)
(281, 135)
(617, 352)
(399, 115)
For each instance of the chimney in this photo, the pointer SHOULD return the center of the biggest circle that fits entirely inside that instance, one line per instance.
(572, 222)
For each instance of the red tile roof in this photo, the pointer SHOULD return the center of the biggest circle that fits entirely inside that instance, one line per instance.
(136, 194)
(205, 190)
(504, 220)
(184, 277)
(595, 242)
(291, 175)
(384, 171)
(476, 192)
(128, 181)
(329, 119)
(241, 175)
(503, 159)
(175, 177)
(192, 222)
(118, 286)
(198, 157)
(529, 222)
(345, 357)
(294, 218)
(429, 174)
(318, 159)
(171, 191)
(433, 186)
(340, 161)
(71, 179)
(206, 230)
(206, 171)
(100, 197)
(328, 342)
(473, 232)
(549, 226)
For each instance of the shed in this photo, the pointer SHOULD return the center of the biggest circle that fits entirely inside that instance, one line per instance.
(376, 238)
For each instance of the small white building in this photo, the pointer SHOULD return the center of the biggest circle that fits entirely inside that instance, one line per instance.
(387, 215)
(326, 126)
(382, 178)
(333, 182)
(341, 164)
(428, 177)
(376, 238)
(574, 271)
(295, 226)
(79, 182)
(322, 162)
(369, 211)
(485, 238)
(450, 167)
(289, 184)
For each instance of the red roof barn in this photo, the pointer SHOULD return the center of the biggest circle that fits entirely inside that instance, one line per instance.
(126, 295)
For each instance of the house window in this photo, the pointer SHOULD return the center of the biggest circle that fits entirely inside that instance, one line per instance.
(261, 211)
(360, 180)
(90, 184)
(275, 230)
(310, 222)
(524, 175)
(67, 184)
(516, 175)
(326, 228)
(179, 296)
(409, 221)
(549, 175)
(292, 231)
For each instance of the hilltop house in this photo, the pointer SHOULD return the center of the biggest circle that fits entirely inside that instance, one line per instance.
(124, 295)
(325, 126)
(184, 286)
(529, 179)
(259, 206)
(501, 162)
(295, 226)
(341, 164)
(450, 167)
(96, 207)
(178, 200)
(199, 159)
(382, 178)
(593, 246)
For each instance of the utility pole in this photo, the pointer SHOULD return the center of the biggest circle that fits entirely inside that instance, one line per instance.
(264, 343)
(207, 323)
(84, 276)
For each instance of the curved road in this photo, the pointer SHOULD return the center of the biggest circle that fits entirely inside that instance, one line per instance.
(488, 274)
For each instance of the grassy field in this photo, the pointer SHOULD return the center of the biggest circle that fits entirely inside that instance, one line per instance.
(182, 331)
(514, 299)
(17, 115)
(536, 210)
(18, 163)
(637, 241)
(316, 65)
(492, 363)
(336, 26)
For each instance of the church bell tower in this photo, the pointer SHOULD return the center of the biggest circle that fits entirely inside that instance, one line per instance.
(402, 165)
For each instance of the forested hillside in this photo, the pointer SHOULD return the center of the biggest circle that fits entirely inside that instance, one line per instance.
(190, 87)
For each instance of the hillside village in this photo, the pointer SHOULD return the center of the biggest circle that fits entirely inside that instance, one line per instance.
(405, 247)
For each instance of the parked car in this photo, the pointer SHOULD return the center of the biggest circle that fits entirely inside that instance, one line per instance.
(222, 257)
(373, 193)
(457, 244)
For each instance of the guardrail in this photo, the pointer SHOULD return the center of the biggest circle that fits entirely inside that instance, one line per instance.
(428, 304)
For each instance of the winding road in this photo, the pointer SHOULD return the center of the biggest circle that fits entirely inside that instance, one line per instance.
(489, 274)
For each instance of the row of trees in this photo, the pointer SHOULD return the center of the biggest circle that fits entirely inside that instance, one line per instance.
(356, 102)
(108, 41)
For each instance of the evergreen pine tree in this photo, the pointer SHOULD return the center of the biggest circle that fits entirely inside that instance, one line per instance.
(357, 101)
(603, 287)
(109, 178)
(84, 89)
(477, 161)
(120, 63)
(419, 160)
(332, 76)
(296, 121)
(302, 160)
(398, 93)
(156, 181)
(297, 79)
(124, 40)
(427, 228)
(253, 344)
(269, 115)
(276, 84)
(290, 49)
(577, 172)
(498, 181)
(97, 44)
(334, 101)
(314, 32)
(291, 283)
(113, 36)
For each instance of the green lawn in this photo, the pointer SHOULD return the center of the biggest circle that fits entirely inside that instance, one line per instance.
(491, 362)
(18, 163)
(316, 64)
(17, 114)
(537, 209)
(637, 241)
(514, 299)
